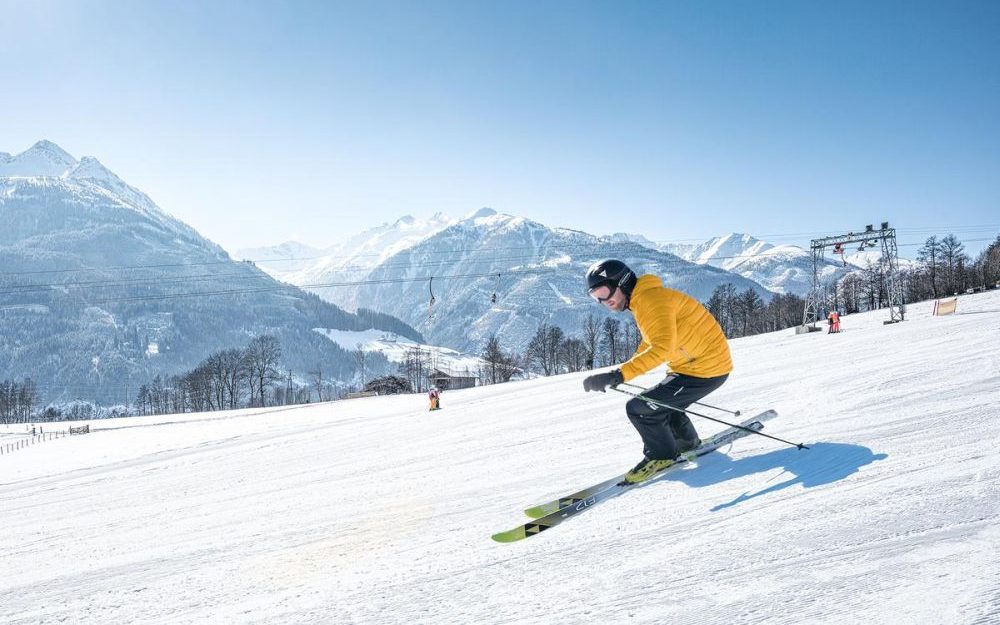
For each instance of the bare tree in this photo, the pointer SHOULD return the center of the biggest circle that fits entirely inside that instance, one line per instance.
(631, 339)
(591, 338)
(317, 378)
(930, 256)
(215, 368)
(499, 365)
(414, 367)
(543, 349)
(720, 305)
(361, 359)
(233, 372)
(953, 257)
(199, 386)
(263, 355)
(611, 340)
(988, 264)
(747, 308)
(17, 400)
(573, 355)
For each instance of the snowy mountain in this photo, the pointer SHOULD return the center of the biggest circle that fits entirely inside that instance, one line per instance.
(377, 511)
(42, 159)
(284, 258)
(357, 254)
(863, 258)
(535, 272)
(780, 268)
(101, 287)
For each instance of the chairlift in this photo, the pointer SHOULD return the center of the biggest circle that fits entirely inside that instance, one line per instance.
(838, 248)
(430, 305)
(496, 287)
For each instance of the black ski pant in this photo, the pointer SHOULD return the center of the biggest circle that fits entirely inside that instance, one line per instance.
(659, 427)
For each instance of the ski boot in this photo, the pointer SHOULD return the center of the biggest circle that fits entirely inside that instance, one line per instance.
(645, 470)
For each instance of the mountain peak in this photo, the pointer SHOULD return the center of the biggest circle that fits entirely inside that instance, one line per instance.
(42, 159)
(92, 169)
(482, 212)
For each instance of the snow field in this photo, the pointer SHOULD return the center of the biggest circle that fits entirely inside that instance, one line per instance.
(377, 511)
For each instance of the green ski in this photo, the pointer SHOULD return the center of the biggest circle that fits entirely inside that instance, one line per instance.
(555, 512)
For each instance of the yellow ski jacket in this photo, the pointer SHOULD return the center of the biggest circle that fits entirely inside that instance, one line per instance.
(676, 329)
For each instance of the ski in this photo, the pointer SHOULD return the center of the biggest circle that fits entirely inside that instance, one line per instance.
(576, 504)
(707, 445)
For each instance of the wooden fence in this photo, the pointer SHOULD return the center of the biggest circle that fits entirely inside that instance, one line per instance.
(34, 439)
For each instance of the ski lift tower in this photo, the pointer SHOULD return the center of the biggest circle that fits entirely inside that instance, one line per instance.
(889, 264)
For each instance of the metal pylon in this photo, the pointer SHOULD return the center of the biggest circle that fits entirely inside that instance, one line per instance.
(811, 314)
(890, 269)
(889, 266)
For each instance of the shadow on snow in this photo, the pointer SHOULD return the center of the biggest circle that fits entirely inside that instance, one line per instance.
(822, 463)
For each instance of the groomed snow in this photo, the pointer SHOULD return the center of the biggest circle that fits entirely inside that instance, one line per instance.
(376, 511)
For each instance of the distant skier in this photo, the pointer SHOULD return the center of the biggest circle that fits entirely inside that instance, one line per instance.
(434, 395)
(676, 329)
(834, 319)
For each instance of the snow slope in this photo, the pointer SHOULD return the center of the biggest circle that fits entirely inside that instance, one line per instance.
(377, 511)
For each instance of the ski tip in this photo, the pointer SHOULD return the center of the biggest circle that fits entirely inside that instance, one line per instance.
(509, 536)
(520, 533)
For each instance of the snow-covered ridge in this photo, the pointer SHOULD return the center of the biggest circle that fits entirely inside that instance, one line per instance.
(301, 264)
(42, 159)
(512, 275)
(45, 164)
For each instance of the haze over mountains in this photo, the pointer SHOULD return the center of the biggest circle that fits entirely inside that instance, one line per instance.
(101, 288)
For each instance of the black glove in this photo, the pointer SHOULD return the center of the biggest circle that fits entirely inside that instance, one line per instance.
(601, 381)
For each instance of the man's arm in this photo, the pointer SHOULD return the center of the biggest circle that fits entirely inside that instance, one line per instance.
(658, 319)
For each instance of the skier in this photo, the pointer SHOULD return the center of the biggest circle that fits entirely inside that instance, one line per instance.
(834, 319)
(434, 395)
(675, 329)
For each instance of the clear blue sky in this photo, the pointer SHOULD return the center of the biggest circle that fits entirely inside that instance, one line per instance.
(258, 122)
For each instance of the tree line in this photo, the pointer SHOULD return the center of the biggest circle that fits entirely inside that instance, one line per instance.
(17, 400)
(946, 269)
(551, 351)
(225, 380)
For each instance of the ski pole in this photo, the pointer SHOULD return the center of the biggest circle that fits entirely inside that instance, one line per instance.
(697, 414)
(735, 413)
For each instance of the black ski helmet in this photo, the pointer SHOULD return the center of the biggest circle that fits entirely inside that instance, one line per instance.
(612, 273)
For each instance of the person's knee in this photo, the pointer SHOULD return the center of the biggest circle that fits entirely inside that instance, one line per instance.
(640, 408)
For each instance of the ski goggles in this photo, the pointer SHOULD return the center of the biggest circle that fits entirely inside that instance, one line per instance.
(597, 291)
